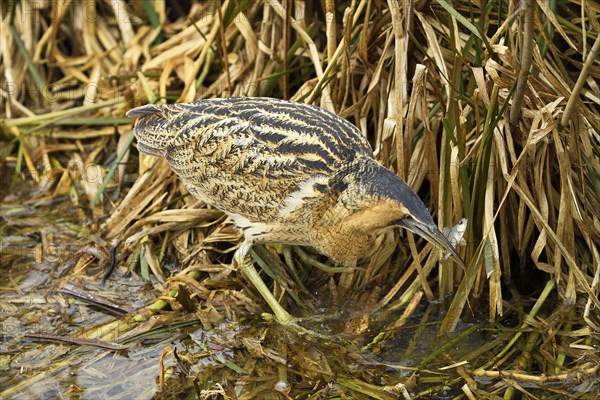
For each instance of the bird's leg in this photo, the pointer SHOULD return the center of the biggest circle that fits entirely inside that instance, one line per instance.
(243, 259)
(242, 256)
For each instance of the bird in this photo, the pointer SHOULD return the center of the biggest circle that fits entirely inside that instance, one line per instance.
(285, 172)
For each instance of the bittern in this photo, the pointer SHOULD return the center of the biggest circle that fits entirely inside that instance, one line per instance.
(285, 172)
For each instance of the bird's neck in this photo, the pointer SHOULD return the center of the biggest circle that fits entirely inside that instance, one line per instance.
(343, 243)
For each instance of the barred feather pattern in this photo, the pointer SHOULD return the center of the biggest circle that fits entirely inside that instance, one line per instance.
(250, 156)
(284, 171)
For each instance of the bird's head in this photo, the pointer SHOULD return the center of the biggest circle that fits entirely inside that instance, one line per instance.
(375, 199)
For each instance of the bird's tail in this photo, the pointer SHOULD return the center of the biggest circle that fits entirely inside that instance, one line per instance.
(152, 129)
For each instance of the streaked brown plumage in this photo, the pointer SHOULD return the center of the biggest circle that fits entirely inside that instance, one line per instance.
(285, 172)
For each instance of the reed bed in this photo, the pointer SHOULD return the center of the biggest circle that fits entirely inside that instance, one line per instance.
(490, 110)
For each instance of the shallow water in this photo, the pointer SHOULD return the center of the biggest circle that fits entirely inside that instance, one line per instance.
(41, 243)
(174, 353)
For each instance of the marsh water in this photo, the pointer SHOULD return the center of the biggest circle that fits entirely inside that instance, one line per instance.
(67, 333)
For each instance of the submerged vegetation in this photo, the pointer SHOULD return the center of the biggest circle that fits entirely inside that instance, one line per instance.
(490, 110)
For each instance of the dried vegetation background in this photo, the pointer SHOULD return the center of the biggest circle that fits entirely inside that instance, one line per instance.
(490, 110)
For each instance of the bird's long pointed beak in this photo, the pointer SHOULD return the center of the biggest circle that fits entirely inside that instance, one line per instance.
(433, 235)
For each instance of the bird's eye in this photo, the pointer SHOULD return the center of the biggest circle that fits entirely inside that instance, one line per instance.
(402, 220)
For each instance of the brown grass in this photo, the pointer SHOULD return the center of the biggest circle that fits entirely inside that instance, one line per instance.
(489, 110)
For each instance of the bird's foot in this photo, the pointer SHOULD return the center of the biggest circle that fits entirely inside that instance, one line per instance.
(279, 315)
(292, 324)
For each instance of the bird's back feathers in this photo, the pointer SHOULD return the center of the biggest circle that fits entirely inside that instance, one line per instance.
(255, 157)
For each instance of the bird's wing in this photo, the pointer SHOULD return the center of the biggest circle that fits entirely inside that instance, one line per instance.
(248, 155)
(261, 133)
